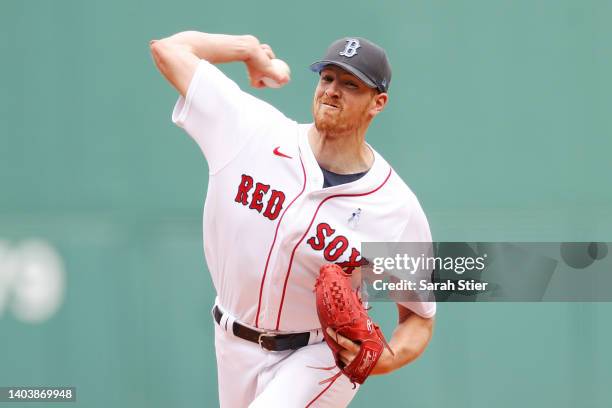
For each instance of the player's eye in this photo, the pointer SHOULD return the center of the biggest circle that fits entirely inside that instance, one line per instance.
(351, 84)
(327, 78)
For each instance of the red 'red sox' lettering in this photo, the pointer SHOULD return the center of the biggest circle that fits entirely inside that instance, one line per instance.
(257, 199)
(260, 190)
(318, 241)
(336, 248)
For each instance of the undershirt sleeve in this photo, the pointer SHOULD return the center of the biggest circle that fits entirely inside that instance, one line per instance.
(220, 117)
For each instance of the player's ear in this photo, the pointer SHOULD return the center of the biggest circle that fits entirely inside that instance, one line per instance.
(379, 102)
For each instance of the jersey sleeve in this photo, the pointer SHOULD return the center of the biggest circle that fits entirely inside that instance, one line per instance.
(417, 230)
(220, 117)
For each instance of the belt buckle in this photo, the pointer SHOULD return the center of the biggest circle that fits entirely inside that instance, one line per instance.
(261, 339)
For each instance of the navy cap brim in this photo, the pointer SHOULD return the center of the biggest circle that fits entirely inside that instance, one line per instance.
(319, 65)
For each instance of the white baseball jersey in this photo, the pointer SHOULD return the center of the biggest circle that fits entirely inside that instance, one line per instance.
(268, 223)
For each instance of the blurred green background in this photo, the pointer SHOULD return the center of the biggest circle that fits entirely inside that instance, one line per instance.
(499, 119)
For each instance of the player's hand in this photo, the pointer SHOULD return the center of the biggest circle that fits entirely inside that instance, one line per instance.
(384, 364)
(259, 66)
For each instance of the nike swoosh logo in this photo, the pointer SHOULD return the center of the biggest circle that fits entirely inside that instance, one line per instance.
(278, 153)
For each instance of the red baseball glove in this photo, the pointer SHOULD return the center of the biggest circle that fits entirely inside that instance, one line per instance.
(340, 307)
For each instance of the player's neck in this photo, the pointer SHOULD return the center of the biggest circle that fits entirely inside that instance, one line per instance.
(346, 154)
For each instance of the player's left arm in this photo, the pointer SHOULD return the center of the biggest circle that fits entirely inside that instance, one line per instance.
(409, 340)
(413, 331)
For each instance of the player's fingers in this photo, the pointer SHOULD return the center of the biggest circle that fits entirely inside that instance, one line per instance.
(268, 51)
(343, 341)
(255, 83)
(347, 357)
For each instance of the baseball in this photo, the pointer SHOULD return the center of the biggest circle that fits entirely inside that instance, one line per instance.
(279, 65)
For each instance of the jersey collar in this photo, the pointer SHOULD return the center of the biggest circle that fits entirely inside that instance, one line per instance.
(314, 176)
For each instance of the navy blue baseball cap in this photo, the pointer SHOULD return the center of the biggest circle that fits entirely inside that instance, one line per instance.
(362, 58)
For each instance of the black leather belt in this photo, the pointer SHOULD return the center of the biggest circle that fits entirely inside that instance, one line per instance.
(270, 342)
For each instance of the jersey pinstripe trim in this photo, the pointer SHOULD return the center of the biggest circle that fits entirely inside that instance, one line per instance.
(280, 309)
(322, 392)
(263, 278)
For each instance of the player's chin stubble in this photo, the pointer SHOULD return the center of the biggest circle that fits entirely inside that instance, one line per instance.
(330, 122)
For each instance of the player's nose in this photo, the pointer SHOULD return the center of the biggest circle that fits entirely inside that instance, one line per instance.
(332, 90)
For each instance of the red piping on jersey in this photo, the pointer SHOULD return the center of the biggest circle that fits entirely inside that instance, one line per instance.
(280, 309)
(263, 278)
(322, 392)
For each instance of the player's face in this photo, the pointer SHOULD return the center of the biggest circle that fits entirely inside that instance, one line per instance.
(342, 103)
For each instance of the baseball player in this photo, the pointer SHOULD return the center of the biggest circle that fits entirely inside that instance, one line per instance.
(283, 199)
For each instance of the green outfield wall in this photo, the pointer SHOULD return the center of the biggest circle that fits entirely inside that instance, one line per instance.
(499, 119)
